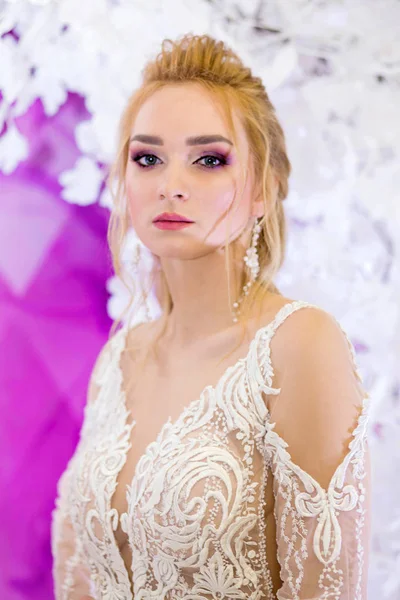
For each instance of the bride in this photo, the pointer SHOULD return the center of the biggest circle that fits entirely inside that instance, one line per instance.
(224, 451)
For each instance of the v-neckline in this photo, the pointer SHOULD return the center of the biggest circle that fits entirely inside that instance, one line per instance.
(128, 415)
(210, 388)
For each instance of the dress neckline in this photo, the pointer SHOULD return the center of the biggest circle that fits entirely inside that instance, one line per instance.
(122, 517)
(210, 388)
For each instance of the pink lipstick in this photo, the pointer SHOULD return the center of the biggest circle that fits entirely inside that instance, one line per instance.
(171, 221)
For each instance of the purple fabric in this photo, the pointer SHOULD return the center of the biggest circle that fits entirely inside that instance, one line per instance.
(54, 263)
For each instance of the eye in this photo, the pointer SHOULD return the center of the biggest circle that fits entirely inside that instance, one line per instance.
(211, 165)
(150, 160)
(138, 157)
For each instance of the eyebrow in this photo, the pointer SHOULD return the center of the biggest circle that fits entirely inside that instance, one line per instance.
(191, 141)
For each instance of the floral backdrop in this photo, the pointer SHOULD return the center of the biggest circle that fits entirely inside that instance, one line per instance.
(332, 69)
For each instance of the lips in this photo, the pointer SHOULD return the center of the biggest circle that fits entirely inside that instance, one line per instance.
(171, 217)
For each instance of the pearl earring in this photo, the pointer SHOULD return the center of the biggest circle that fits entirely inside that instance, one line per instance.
(252, 263)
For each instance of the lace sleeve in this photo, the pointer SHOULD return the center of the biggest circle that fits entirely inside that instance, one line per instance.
(316, 444)
(71, 576)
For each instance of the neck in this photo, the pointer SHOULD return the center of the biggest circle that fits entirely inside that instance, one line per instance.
(199, 292)
(200, 298)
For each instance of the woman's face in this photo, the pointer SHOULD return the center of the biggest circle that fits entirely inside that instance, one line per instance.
(169, 171)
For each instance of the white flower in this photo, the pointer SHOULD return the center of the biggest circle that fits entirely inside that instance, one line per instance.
(13, 149)
(82, 183)
(218, 580)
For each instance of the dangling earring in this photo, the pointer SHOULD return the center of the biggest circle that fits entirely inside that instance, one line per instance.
(252, 263)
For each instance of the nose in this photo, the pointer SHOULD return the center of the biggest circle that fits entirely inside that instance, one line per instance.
(172, 186)
(174, 195)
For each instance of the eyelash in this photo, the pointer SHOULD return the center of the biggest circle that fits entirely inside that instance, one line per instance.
(222, 159)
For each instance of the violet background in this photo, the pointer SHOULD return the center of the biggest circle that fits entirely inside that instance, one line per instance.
(54, 263)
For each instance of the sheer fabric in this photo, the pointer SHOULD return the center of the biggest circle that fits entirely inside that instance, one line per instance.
(254, 492)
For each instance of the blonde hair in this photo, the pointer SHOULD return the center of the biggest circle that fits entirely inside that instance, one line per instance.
(210, 63)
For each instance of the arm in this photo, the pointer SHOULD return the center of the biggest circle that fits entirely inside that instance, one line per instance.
(71, 576)
(316, 442)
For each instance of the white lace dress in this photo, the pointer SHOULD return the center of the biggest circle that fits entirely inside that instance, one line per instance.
(197, 501)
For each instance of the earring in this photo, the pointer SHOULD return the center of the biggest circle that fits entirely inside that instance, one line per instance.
(251, 261)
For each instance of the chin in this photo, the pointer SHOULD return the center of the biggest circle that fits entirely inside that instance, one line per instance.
(180, 249)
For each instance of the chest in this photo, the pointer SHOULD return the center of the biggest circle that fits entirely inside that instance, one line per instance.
(168, 480)
(162, 388)
(159, 392)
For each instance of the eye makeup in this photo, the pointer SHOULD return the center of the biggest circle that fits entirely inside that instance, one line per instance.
(224, 159)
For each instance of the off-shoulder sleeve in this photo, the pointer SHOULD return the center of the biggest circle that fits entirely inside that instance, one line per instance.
(316, 443)
(71, 575)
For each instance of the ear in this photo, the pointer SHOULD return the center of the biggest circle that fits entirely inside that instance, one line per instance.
(257, 209)
(258, 203)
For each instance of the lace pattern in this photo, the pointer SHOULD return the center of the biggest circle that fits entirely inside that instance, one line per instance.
(196, 501)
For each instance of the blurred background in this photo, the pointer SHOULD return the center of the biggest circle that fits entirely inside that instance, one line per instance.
(67, 67)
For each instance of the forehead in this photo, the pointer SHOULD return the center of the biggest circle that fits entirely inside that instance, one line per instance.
(182, 110)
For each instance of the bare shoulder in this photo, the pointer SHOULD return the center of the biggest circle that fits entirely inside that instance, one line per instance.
(309, 331)
(311, 321)
(273, 303)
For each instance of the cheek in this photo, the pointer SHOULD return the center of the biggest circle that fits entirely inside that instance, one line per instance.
(219, 194)
(229, 196)
(132, 190)
(138, 193)
(133, 184)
